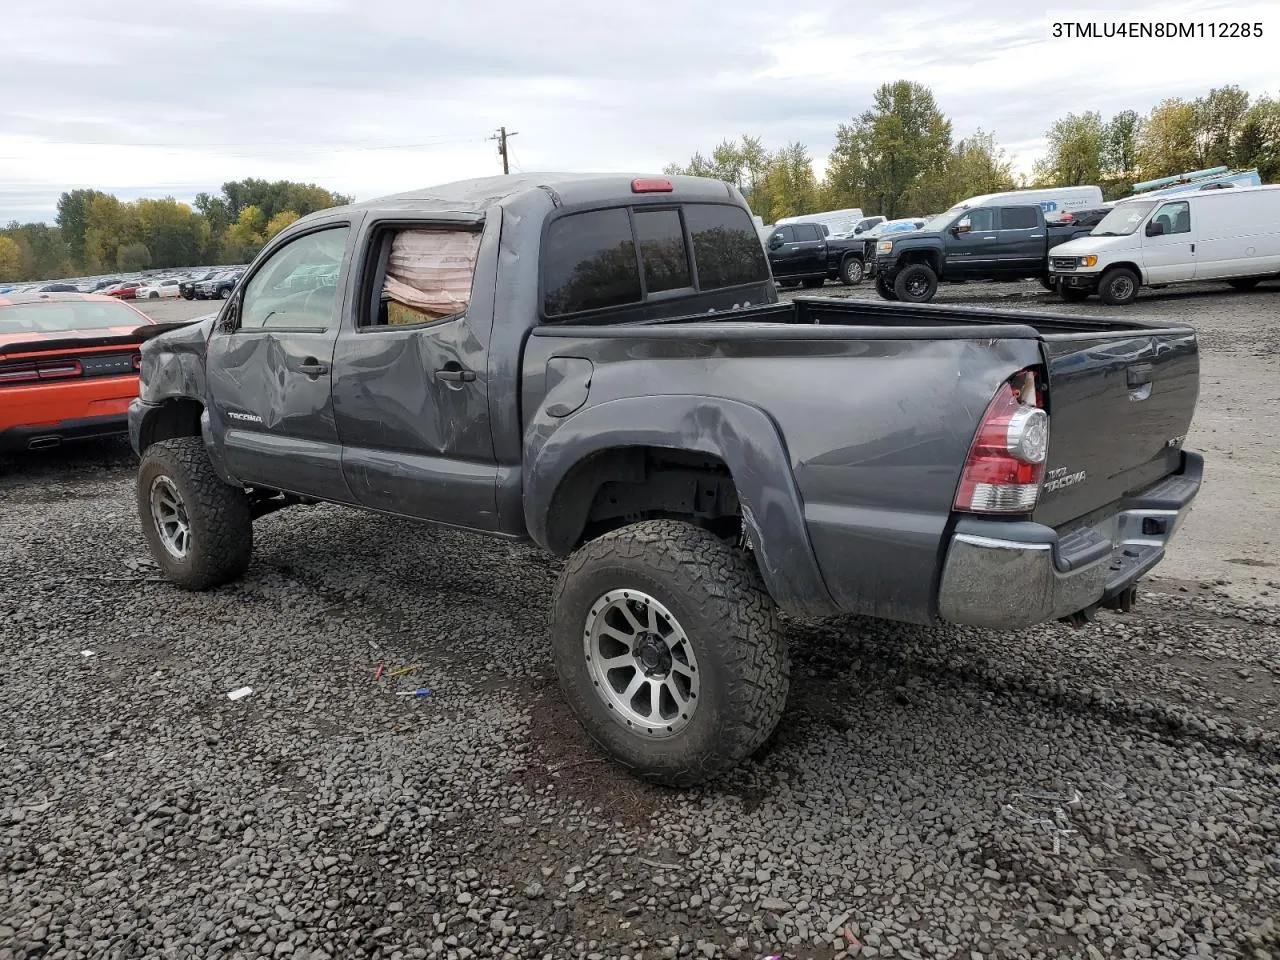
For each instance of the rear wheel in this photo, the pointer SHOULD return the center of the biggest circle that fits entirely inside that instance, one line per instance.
(851, 271)
(812, 283)
(669, 651)
(1072, 294)
(1245, 283)
(916, 283)
(199, 529)
(1118, 286)
(885, 289)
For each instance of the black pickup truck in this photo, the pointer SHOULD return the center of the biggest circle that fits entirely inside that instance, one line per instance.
(804, 253)
(600, 364)
(1009, 242)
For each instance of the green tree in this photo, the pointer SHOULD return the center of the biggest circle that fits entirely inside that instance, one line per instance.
(174, 233)
(44, 252)
(1120, 145)
(73, 220)
(1219, 123)
(898, 144)
(109, 226)
(1073, 154)
(133, 256)
(1259, 142)
(279, 222)
(1167, 143)
(790, 187)
(10, 259)
(976, 165)
(245, 237)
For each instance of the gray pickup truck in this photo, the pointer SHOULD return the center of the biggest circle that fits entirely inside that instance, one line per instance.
(601, 364)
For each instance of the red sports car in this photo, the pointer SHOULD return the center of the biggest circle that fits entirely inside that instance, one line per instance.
(68, 367)
(124, 291)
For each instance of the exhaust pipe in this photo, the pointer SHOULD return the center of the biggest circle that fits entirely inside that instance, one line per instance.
(44, 443)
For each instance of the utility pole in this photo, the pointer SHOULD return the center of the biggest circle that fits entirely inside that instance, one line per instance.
(502, 136)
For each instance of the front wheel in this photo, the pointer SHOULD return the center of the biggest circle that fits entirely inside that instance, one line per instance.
(199, 529)
(153, 295)
(224, 293)
(851, 271)
(1118, 286)
(916, 283)
(669, 651)
(885, 289)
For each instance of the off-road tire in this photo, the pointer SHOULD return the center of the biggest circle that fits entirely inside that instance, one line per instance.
(852, 271)
(715, 592)
(885, 289)
(1119, 287)
(219, 517)
(1244, 283)
(1072, 294)
(909, 276)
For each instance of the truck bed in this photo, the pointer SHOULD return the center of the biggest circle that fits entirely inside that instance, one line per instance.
(877, 403)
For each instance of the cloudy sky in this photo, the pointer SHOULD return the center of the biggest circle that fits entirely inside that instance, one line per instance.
(152, 98)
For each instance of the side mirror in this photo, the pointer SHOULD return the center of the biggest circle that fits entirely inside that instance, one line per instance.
(775, 243)
(1155, 228)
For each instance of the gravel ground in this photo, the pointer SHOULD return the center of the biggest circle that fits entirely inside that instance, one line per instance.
(1112, 792)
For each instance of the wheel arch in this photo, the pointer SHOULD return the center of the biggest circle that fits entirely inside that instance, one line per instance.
(174, 417)
(568, 463)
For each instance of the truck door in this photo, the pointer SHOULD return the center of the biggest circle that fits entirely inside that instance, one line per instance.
(1168, 244)
(811, 248)
(411, 386)
(269, 366)
(1021, 248)
(784, 253)
(972, 244)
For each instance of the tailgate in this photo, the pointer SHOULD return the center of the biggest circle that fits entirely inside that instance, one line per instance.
(1120, 404)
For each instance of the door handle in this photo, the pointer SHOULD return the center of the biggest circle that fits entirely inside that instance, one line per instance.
(990, 238)
(455, 375)
(313, 367)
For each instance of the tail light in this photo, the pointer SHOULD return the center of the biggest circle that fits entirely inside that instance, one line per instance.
(35, 372)
(1006, 461)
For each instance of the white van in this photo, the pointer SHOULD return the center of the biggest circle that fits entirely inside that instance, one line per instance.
(1054, 201)
(839, 223)
(1231, 235)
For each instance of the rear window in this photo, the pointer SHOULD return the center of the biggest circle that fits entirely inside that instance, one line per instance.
(589, 262)
(726, 246)
(662, 250)
(66, 316)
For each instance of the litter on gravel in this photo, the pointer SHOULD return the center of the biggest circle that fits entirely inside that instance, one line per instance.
(239, 693)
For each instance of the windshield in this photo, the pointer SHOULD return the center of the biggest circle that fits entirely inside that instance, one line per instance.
(1123, 219)
(64, 316)
(943, 220)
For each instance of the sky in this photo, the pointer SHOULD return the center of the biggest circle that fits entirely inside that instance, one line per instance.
(369, 97)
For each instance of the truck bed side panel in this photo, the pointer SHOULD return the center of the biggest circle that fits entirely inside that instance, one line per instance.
(875, 432)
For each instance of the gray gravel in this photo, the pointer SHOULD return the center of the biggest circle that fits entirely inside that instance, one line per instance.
(1112, 792)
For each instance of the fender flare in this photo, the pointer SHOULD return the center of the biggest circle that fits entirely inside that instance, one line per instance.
(743, 436)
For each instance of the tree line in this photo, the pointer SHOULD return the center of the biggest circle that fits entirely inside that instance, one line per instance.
(97, 233)
(901, 158)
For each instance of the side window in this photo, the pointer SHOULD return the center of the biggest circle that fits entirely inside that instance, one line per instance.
(785, 234)
(1175, 216)
(980, 220)
(807, 232)
(428, 276)
(296, 288)
(726, 246)
(589, 262)
(1021, 218)
(662, 250)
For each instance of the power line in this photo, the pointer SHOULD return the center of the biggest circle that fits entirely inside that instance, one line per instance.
(288, 145)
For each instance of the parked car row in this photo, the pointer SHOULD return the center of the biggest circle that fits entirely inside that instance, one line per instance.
(804, 251)
(164, 284)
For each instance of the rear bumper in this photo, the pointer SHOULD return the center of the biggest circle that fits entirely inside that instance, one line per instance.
(45, 436)
(1008, 575)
